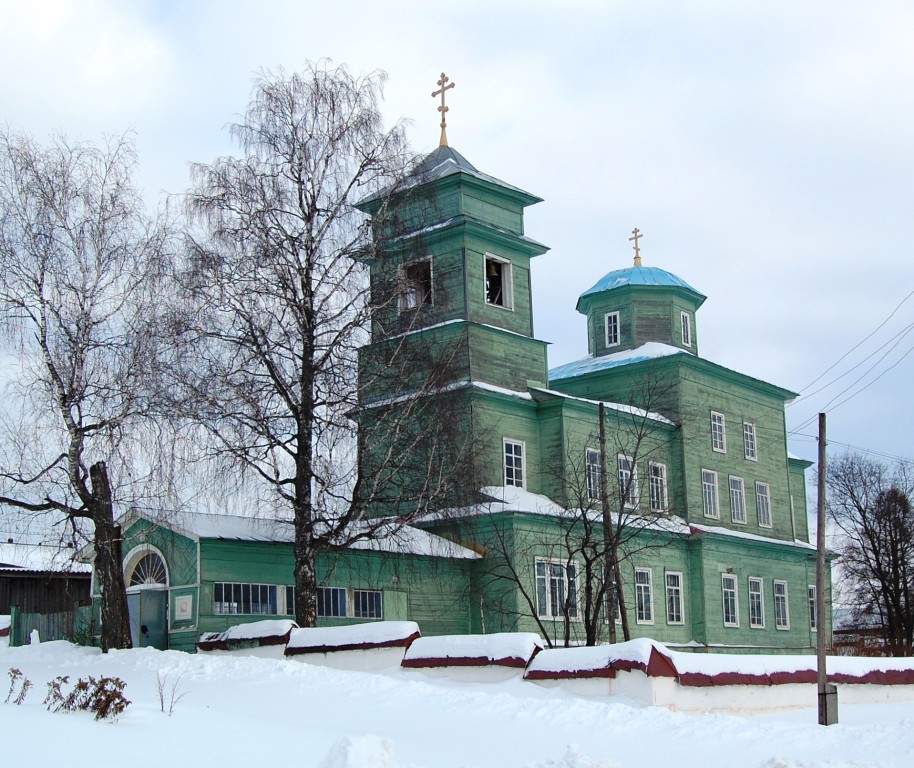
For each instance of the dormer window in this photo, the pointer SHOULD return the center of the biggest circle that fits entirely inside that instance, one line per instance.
(611, 325)
(498, 282)
(686, 324)
(417, 284)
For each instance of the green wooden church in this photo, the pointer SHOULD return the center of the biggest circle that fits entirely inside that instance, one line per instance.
(688, 474)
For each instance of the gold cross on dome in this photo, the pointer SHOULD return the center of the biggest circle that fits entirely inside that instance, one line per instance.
(442, 87)
(636, 236)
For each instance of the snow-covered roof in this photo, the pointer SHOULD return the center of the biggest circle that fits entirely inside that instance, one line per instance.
(510, 499)
(619, 278)
(384, 536)
(718, 531)
(447, 161)
(621, 407)
(649, 351)
(40, 557)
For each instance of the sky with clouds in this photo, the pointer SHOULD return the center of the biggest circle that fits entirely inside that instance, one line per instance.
(763, 149)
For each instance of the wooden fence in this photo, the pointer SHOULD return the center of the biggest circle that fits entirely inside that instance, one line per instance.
(75, 625)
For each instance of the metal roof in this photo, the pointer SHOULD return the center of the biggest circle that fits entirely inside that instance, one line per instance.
(651, 276)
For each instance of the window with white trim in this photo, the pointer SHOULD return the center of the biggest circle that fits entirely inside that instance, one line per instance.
(514, 463)
(245, 599)
(811, 596)
(658, 487)
(499, 291)
(685, 323)
(340, 602)
(763, 504)
(593, 472)
(628, 481)
(644, 596)
(367, 604)
(756, 603)
(416, 279)
(718, 432)
(674, 613)
(737, 500)
(331, 601)
(781, 609)
(611, 328)
(709, 493)
(730, 600)
(750, 447)
(556, 589)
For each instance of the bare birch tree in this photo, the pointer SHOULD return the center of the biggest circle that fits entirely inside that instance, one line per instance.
(870, 504)
(277, 303)
(79, 259)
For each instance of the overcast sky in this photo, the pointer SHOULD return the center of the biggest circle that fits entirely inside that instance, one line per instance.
(763, 149)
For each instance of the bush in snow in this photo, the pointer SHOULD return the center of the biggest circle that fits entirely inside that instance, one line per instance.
(104, 697)
(17, 678)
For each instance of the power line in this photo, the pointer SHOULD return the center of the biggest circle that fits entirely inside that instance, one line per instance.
(861, 342)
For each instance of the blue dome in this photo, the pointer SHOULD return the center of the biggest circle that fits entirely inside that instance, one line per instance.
(620, 278)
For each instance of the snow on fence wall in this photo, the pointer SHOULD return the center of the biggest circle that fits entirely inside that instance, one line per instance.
(474, 657)
(258, 638)
(650, 672)
(641, 669)
(377, 645)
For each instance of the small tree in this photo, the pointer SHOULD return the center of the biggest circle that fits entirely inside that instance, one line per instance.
(276, 304)
(870, 504)
(81, 266)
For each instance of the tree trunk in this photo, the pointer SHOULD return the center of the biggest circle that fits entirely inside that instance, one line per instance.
(623, 611)
(305, 575)
(108, 566)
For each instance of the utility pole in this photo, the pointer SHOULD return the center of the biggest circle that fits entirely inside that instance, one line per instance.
(828, 693)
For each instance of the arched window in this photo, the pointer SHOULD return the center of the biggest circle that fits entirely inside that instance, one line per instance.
(148, 570)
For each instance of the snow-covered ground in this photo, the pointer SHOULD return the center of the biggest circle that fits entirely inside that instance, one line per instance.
(241, 711)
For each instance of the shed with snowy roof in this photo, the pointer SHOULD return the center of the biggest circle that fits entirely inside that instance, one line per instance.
(190, 575)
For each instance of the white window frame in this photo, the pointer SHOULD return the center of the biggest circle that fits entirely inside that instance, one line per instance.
(507, 281)
(607, 319)
(813, 607)
(644, 597)
(710, 499)
(733, 589)
(549, 605)
(513, 469)
(718, 432)
(750, 441)
(763, 504)
(685, 327)
(737, 500)
(241, 595)
(593, 471)
(756, 602)
(659, 492)
(627, 475)
(406, 303)
(370, 613)
(674, 598)
(336, 598)
(781, 606)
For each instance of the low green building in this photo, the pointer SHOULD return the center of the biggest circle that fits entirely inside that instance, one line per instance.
(688, 475)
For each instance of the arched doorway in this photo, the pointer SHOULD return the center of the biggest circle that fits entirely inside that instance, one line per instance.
(146, 577)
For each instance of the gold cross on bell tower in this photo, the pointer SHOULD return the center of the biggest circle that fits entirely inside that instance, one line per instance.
(636, 236)
(442, 87)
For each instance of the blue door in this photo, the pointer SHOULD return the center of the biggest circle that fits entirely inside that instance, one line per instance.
(149, 618)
